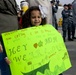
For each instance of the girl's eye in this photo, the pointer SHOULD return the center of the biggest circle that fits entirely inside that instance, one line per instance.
(39, 16)
(35, 17)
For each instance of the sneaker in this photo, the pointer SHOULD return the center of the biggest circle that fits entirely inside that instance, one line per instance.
(70, 39)
(74, 37)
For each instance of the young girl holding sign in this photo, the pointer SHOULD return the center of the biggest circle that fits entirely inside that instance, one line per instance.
(34, 16)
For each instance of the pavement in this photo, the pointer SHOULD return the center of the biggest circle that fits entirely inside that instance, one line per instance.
(71, 47)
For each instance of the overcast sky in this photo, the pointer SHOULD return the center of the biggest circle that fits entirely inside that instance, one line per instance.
(61, 1)
(66, 1)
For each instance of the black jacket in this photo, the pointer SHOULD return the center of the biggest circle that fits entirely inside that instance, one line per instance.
(8, 16)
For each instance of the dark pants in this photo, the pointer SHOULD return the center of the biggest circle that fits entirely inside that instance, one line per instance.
(56, 25)
(5, 69)
(73, 30)
(69, 33)
(64, 29)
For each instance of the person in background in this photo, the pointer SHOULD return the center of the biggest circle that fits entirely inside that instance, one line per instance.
(65, 15)
(8, 22)
(54, 11)
(24, 6)
(43, 3)
(20, 13)
(70, 23)
(74, 18)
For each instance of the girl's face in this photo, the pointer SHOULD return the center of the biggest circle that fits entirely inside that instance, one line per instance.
(36, 18)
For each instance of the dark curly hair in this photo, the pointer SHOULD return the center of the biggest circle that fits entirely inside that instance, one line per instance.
(26, 20)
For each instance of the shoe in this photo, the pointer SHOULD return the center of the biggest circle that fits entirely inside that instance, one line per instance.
(74, 37)
(70, 39)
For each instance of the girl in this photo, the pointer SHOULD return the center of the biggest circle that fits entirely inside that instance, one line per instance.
(34, 16)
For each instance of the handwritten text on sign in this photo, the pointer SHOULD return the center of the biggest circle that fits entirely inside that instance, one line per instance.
(31, 48)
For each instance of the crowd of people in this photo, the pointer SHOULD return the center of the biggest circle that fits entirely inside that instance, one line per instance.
(34, 15)
(68, 22)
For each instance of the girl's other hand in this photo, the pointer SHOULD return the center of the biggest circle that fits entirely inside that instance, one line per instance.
(7, 60)
(1, 49)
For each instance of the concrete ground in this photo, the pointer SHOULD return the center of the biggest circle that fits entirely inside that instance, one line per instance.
(71, 47)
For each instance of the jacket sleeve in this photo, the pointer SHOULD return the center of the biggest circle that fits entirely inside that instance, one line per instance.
(74, 8)
(2, 5)
(64, 14)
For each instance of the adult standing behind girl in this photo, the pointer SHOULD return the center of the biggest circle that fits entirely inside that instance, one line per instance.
(8, 22)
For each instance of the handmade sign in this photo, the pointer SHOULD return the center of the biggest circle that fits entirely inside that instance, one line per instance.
(36, 51)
